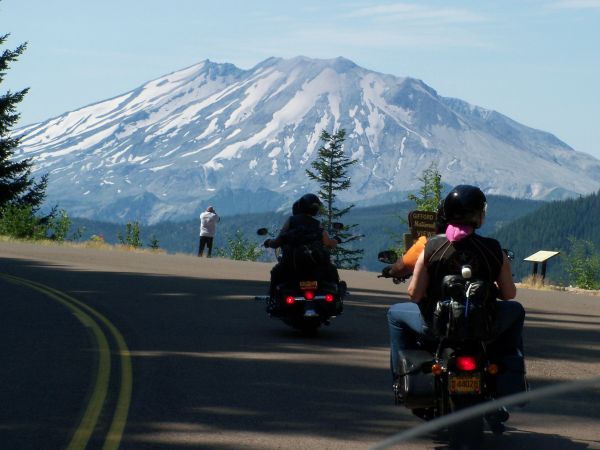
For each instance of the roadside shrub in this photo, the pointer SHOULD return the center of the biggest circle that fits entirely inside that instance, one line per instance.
(20, 222)
(96, 241)
(240, 248)
(59, 225)
(154, 243)
(582, 264)
(132, 235)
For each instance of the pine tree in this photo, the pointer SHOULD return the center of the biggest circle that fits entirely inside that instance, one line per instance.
(17, 187)
(430, 193)
(330, 171)
(428, 198)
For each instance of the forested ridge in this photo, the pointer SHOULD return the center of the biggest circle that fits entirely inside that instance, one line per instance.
(549, 227)
(524, 226)
(382, 227)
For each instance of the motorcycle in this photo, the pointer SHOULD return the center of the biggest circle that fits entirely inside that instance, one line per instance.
(306, 299)
(452, 369)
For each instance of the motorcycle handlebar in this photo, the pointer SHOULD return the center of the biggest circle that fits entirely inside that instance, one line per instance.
(395, 280)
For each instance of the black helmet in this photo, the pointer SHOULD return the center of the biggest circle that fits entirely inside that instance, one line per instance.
(309, 204)
(464, 205)
(296, 208)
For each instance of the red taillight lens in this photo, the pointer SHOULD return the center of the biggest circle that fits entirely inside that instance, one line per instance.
(309, 295)
(329, 297)
(466, 363)
(290, 300)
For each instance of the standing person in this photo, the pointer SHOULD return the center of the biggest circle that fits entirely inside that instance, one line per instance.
(208, 229)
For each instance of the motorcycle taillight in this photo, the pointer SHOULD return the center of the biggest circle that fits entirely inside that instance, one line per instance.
(309, 295)
(290, 300)
(466, 363)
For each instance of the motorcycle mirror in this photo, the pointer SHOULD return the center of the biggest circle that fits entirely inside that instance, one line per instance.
(387, 256)
(509, 253)
(262, 231)
(337, 225)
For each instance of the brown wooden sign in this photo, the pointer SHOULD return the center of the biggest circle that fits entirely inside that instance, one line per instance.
(422, 223)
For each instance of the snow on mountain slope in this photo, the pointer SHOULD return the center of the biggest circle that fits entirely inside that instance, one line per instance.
(163, 150)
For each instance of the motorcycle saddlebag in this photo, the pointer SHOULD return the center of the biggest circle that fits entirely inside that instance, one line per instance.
(511, 377)
(417, 385)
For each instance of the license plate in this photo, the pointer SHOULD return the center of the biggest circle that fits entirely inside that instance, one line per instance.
(308, 285)
(465, 384)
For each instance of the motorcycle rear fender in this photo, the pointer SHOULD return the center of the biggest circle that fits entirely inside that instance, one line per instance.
(318, 304)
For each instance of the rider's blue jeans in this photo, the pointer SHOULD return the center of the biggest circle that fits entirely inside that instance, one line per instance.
(406, 323)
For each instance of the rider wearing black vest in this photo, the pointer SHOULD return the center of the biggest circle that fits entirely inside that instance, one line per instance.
(302, 229)
(464, 209)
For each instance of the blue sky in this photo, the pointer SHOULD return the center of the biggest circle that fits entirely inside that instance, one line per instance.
(537, 61)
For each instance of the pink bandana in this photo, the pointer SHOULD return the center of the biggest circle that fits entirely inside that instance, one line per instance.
(456, 233)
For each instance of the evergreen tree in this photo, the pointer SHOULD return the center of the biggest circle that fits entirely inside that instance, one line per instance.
(17, 187)
(430, 193)
(428, 198)
(582, 264)
(330, 171)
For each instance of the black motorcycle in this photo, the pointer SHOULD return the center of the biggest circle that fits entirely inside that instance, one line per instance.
(306, 299)
(452, 369)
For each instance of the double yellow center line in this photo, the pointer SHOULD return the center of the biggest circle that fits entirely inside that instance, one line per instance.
(92, 319)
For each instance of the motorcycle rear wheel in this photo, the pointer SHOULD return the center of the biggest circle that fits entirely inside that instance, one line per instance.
(308, 327)
(467, 435)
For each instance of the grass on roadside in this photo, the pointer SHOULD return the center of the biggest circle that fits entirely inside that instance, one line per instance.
(95, 242)
(536, 282)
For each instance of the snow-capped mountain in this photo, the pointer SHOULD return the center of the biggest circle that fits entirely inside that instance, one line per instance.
(242, 139)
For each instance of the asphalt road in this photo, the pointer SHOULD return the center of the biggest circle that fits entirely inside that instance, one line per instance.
(107, 349)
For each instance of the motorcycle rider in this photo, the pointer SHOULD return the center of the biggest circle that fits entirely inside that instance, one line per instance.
(302, 228)
(405, 265)
(464, 209)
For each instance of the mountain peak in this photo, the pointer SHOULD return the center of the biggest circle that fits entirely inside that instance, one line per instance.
(192, 135)
(339, 64)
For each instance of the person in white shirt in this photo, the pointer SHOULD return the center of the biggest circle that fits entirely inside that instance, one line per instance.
(208, 229)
